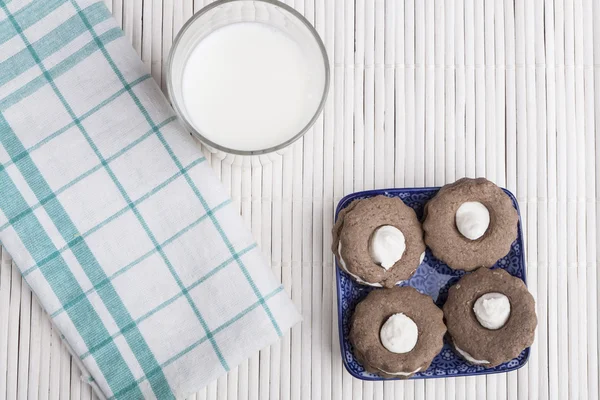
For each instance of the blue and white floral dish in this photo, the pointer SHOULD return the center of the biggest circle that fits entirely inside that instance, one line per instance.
(433, 278)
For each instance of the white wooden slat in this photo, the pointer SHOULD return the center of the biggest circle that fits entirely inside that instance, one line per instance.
(197, 5)
(439, 63)
(5, 286)
(532, 184)
(221, 393)
(458, 158)
(211, 390)
(480, 119)
(239, 375)
(409, 390)
(348, 27)
(436, 389)
(419, 110)
(596, 59)
(480, 90)
(65, 371)
(591, 204)
(359, 103)
(137, 12)
(552, 324)
(369, 94)
(450, 93)
(307, 259)
(187, 10)
(422, 93)
(117, 11)
(563, 363)
(581, 204)
(251, 174)
(24, 341)
(231, 178)
(422, 17)
(127, 18)
(388, 12)
(389, 390)
(460, 101)
(399, 119)
(469, 49)
(539, 387)
(155, 36)
(430, 99)
(177, 17)
(319, 250)
(146, 34)
(251, 189)
(35, 351)
(167, 37)
(379, 95)
(296, 267)
(489, 61)
(266, 201)
(511, 132)
(44, 388)
(334, 26)
(409, 84)
(327, 8)
(276, 265)
(13, 334)
(55, 363)
(75, 382)
(523, 130)
(448, 390)
(86, 391)
(571, 158)
(500, 112)
(286, 268)
(217, 389)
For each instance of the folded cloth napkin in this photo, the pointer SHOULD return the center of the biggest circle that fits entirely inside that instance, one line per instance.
(113, 216)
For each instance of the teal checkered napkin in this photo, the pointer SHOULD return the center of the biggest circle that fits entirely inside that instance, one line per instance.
(113, 216)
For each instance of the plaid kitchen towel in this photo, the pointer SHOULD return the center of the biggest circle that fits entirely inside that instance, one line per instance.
(113, 216)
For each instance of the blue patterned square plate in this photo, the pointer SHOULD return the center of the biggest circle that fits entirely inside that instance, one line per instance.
(433, 278)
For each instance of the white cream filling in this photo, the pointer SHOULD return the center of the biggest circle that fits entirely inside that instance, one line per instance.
(387, 246)
(469, 357)
(357, 278)
(472, 219)
(399, 334)
(400, 373)
(492, 310)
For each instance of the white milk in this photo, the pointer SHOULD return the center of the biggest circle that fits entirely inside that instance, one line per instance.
(248, 86)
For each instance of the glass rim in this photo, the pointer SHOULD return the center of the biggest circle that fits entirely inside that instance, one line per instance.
(199, 135)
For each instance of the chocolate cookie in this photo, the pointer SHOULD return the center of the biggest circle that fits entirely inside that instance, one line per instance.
(415, 334)
(470, 224)
(378, 241)
(483, 330)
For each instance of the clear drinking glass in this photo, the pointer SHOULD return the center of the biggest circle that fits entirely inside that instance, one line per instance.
(226, 12)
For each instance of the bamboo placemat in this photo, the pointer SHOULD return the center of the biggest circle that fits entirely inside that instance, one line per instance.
(423, 92)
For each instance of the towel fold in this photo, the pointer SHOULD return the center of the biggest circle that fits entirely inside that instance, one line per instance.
(114, 217)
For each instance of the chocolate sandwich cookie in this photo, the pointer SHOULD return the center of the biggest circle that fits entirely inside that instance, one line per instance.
(490, 316)
(470, 224)
(396, 332)
(378, 241)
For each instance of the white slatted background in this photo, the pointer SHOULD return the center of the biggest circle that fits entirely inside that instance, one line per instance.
(423, 92)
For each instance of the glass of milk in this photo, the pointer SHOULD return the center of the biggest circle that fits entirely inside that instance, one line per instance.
(248, 76)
